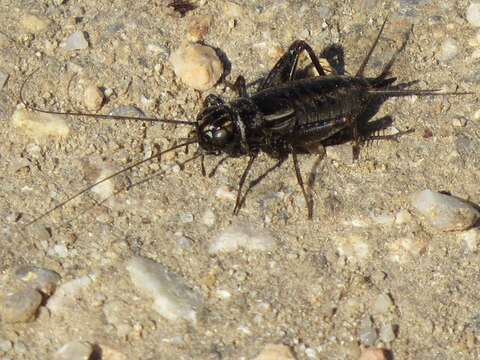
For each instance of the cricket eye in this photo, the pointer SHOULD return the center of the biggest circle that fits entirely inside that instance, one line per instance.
(221, 136)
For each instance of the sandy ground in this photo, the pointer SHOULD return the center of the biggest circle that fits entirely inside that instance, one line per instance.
(307, 293)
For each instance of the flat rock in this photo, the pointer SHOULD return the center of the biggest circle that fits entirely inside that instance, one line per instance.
(473, 14)
(173, 298)
(243, 236)
(444, 212)
(20, 306)
(33, 23)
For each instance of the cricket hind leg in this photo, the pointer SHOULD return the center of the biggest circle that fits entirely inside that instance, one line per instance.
(236, 209)
(308, 198)
(361, 69)
(284, 69)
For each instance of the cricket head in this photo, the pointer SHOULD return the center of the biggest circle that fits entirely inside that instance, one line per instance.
(217, 130)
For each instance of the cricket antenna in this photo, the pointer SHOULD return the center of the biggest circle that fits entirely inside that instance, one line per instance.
(97, 116)
(91, 186)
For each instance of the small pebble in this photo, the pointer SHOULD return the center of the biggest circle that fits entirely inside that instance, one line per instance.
(275, 352)
(208, 218)
(471, 239)
(74, 350)
(383, 303)
(39, 125)
(109, 353)
(5, 345)
(130, 111)
(448, 50)
(233, 10)
(197, 65)
(473, 14)
(67, 293)
(93, 98)
(406, 249)
(367, 332)
(34, 24)
(342, 153)
(373, 354)
(353, 247)
(226, 193)
(244, 236)
(386, 333)
(20, 306)
(444, 212)
(186, 218)
(173, 298)
(40, 279)
(76, 41)
(105, 189)
(3, 79)
(459, 121)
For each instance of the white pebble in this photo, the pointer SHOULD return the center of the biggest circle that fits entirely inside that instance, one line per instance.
(386, 333)
(444, 212)
(173, 298)
(243, 236)
(208, 218)
(342, 153)
(40, 279)
(353, 247)
(39, 125)
(459, 121)
(20, 306)
(74, 350)
(5, 345)
(76, 41)
(93, 98)
(67, 292)
(197, 65)
(106, 188)
(223, 294)
(403, 217)
(473, 14)
(275, 352)
(382, 304)
(225, 193)
(406, 249)
(448, 50)
(471, 239)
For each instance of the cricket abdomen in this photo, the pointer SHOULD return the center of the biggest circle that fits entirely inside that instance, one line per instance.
(311, 109)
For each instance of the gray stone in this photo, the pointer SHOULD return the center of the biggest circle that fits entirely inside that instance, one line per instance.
(76, 41)
(40, 279)
(20, 306)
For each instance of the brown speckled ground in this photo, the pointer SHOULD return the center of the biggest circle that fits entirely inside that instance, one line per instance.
(316, 297)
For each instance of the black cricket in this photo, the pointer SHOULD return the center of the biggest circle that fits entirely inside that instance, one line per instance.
(286, 116)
